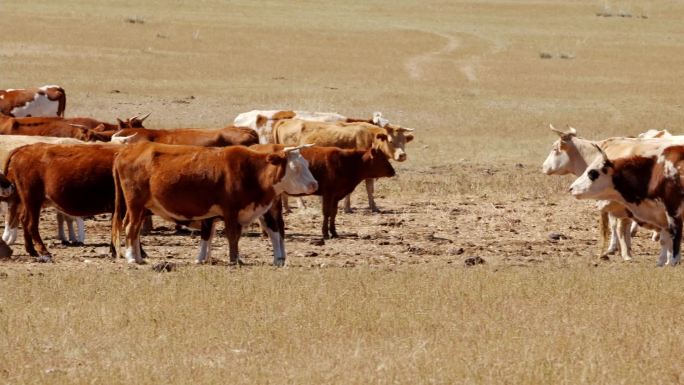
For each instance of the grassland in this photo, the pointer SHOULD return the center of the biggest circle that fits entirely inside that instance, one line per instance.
(390, 302)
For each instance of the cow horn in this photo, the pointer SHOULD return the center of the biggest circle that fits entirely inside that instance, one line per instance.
(554, 129)
(145, 117)
(79, 125)
(290, 149)
(603, 153)
(122, 139)
(572, 131)
(406, 129)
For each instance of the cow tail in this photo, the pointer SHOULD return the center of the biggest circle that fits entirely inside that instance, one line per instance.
(604, 228)
(118, 215)
(61, 106)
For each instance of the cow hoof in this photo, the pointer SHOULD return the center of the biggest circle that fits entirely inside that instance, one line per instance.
(604, 257)
(279, 262)
(44, 259)
(375, 210)
(65, 242)
(5, 251)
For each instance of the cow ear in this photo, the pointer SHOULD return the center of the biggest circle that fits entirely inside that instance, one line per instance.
(122, 124)
(381, 136)
(277, 158)
(261, 120)
(409, 137)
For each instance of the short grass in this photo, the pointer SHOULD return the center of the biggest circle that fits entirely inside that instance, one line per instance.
(469, 77)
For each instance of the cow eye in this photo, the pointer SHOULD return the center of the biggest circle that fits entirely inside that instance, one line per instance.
(593, 175)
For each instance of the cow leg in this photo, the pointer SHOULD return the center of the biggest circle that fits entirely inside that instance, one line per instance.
(347, 204)
(625, 238)
(132, 229)
(233, 233)
(5, 250)
(634, 228)
(80, 225)
(665, 248)
(325, 205)
(675, 230)
(70, 227)
(272, 223)
(12, 219)
(370, 189)
(147, 225)
(286, 203)
(333, 214)
(60, 229)
(206, 235)
(613, 245)
(301, 203)
(32, 241)
(655, 236)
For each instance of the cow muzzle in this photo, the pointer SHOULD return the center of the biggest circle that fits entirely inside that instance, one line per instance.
(312, 187)
(400, 156)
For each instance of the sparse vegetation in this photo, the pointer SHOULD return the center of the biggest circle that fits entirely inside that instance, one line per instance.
(393, 301)
(135, 20)
(545, 55)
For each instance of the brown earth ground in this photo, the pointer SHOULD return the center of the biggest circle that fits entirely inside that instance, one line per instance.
(392, 300)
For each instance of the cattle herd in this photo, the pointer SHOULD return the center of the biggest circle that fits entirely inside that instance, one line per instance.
(189, 176)
(245, 171)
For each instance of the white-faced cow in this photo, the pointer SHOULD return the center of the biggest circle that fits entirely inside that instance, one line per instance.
(41, 101)
(650, 187)
(197, 184)
(362, 136)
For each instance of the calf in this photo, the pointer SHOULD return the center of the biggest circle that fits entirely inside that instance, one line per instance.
(76, 179)
(227, 136)
(196, 184)
(650, 187)
(338, 172)
(41, 101)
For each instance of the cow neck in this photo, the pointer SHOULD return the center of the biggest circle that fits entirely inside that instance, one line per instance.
(629, 178)
(271, 179)
(585, 154)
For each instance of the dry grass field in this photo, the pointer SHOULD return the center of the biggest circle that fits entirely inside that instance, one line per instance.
(392, 301)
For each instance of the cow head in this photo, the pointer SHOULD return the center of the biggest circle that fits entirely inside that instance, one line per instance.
(376, 164)
(564, 155)
(393, 141)
(597, 180)
(133, 122)
(297, 178)
(92, 135)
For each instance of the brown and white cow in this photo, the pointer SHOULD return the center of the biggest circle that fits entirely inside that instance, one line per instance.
(650, 187)
(338, 172)
(75, 178)
(389, 139)
(197, 184)
(262, 121)
(227, 136)
(40, 101)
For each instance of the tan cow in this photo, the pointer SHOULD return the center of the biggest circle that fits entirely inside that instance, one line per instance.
(390, 139)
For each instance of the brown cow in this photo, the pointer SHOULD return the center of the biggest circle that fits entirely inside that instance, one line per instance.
(390, 139)
(55, 127)
(192, 184)
(76, 179)
(41, 101)
(227, 136)
(97, 125)
(338, 172)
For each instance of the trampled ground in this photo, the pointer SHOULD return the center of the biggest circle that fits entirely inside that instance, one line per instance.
(392, 301)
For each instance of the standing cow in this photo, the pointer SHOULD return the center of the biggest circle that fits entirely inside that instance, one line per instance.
(196, 184)
(389, 139)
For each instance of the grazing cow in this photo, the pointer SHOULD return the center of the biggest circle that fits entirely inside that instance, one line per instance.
(8, 143)
(75, 178)
(262, 121)
(41, 101)
(227, 136)
(651, 187)
(56, 127)
(338, 171)
(198, 184)
(389, 139)
(571, 154)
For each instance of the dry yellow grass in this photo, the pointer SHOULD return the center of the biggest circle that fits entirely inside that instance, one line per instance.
(469, 77)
